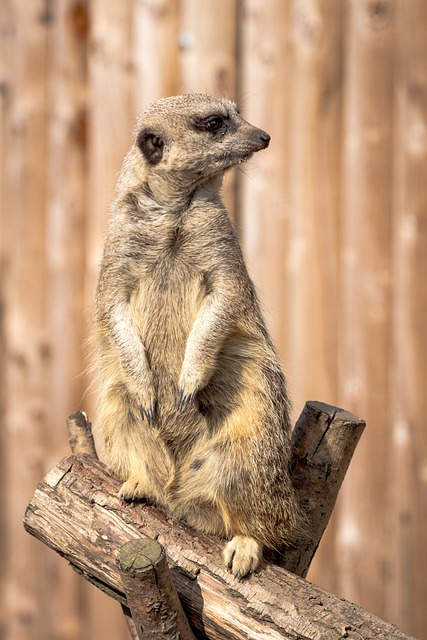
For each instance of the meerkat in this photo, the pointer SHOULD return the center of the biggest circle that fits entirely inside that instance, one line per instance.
(193, 410)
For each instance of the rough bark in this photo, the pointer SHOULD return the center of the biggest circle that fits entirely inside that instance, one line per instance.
(150, 592)
(324, 440)
(76, 511)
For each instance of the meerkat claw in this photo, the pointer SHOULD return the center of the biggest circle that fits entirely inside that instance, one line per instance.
(185, 400)
(230, 562)
(148, 414)
(180, 397)
(151, 414)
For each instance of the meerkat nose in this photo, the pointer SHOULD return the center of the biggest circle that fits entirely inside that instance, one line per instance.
(265, 137)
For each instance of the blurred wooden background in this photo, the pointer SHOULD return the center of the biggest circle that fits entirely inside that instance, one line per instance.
(333, 220)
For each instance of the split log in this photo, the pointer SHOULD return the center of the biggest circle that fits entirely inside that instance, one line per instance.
(76, 511)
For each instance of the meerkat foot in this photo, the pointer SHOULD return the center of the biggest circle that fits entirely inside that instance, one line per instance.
(242, 555)
(133, 488)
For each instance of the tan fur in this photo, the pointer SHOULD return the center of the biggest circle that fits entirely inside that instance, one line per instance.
(193, 407)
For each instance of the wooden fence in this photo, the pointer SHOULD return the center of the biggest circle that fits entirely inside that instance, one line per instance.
(333, 221)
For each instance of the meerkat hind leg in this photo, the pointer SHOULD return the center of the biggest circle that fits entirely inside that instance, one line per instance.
(242, 555)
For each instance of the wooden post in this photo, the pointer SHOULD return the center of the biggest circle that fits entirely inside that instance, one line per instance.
(324, 441)
(150, 592)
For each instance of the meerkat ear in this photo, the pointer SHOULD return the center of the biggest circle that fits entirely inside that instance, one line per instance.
(150, 145)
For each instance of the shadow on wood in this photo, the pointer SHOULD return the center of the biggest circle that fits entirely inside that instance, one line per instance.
(75, 510)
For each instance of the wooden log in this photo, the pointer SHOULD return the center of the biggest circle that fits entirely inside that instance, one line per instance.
(150, 592)
(76, 511)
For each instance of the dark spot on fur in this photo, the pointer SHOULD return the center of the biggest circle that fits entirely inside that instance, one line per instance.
(151, 146)
(197, 464)
(292, 466)
(207, 283)
(132, 201)
(203, 409)
(175, 239)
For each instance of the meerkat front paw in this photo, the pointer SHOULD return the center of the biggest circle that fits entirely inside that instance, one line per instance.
(242, 555)
(190, 382)
(146, 399)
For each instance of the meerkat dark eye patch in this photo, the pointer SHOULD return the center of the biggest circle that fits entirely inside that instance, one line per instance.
(211, 123)
(150, 145)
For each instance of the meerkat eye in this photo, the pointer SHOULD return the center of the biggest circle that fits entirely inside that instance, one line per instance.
(214, 123)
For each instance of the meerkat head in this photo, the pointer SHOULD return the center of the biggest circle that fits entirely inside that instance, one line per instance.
(188, 139)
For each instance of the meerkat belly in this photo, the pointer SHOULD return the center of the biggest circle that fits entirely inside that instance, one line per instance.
(164, 310)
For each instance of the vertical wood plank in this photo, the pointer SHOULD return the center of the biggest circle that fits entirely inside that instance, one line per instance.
(362, 543)
(407, 466)
(292, 79)
(313, 176)
(208, 47)
(64, 241)
(26, 347)
(5, 44)
(263, 208)
(111, 110)
(156, 47)
(111, 113)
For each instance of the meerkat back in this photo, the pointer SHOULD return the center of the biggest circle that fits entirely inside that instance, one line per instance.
(193, 407)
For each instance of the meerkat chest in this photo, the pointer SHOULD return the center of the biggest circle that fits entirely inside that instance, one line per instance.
(172, 250)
